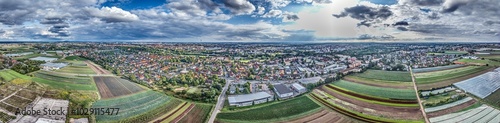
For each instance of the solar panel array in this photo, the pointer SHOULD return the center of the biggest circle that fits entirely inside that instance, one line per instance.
(482, 85)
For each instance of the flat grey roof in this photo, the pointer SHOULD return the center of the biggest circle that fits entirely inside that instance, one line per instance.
(43, 59)
(247, 97)
(298, 86)
(282, 89)
(309, 80)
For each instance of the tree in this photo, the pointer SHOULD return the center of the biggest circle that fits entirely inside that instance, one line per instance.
(132, 77)
(237, 90)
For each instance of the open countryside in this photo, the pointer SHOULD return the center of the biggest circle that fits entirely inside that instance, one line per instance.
(160, 85)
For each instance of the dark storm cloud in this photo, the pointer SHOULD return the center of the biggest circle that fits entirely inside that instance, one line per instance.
(426, 2)
(59, 26)
(322, 1)
(489, 23)
(401, 23)
(13, 12)
(239, 6)
(367, 15)
(453, 5)
(402, 28)
(292, 17)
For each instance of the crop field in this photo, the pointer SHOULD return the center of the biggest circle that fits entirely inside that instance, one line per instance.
(385, 75)
(75, 58)
(404, 94)
(199, 114)
(64, 85)
(482, 114)
(368, 107)
(494, 99)
(437, 76)
(5, 117)
(279, 111)
(447, 77)
(10, 75)
(329, 102)
(438, 68)
(63, 78)
(176, 114)
(379, 83)
(76, 70)
(478, 61)
(110, 87)
(96, 68)
(324, 116)
(136, 107)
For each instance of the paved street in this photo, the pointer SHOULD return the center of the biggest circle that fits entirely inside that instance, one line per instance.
(220, 101)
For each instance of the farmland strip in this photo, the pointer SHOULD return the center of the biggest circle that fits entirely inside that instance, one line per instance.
(372, 98)
(345, 112)
(183, 114)
(176, 110)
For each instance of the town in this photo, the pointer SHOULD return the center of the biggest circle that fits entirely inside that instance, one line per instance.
(221, 76)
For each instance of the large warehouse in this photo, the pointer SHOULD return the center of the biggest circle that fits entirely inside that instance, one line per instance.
(249, 99)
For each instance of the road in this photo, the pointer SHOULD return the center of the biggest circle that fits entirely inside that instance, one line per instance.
(220, 101)
(418, 96)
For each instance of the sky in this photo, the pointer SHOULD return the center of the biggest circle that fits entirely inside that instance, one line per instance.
(250, 20)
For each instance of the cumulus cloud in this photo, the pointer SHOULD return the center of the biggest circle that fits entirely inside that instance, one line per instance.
(366, 14)
(239, 7)
(272, 13)
(423, 2)
(452, 5)
(112, 14)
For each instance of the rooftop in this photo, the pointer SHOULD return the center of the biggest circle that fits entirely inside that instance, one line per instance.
(298, 86)
(282, 89)
(309, 80)
(247, 97)
(43, 59)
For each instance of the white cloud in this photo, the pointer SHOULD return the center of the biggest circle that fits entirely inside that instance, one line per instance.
(272, 13)
(112, 14)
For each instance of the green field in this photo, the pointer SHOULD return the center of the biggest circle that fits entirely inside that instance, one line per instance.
(8, 75)
(385, 75)
(479, 61)
(376, 91)
(439, 76)
(75, 58)
(354, 114)
(133, 106)
(76, 70)
(27, 56)
(283, 111)
(493, 57)
(199, 114)
(494, 99)
(63, 78)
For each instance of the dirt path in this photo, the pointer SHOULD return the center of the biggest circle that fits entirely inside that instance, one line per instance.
(418, 96)
(98, 70)
(324, 116)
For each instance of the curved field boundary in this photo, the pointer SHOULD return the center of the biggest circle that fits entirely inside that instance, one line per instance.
(370, 97)
(172, 113)
(378, 92)
(449, 105)
(450, 81)
(462, 116)
(357, 116)
(178, 118)
(199, 114)
(383, 84)
(367, 100)
(438, 68)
